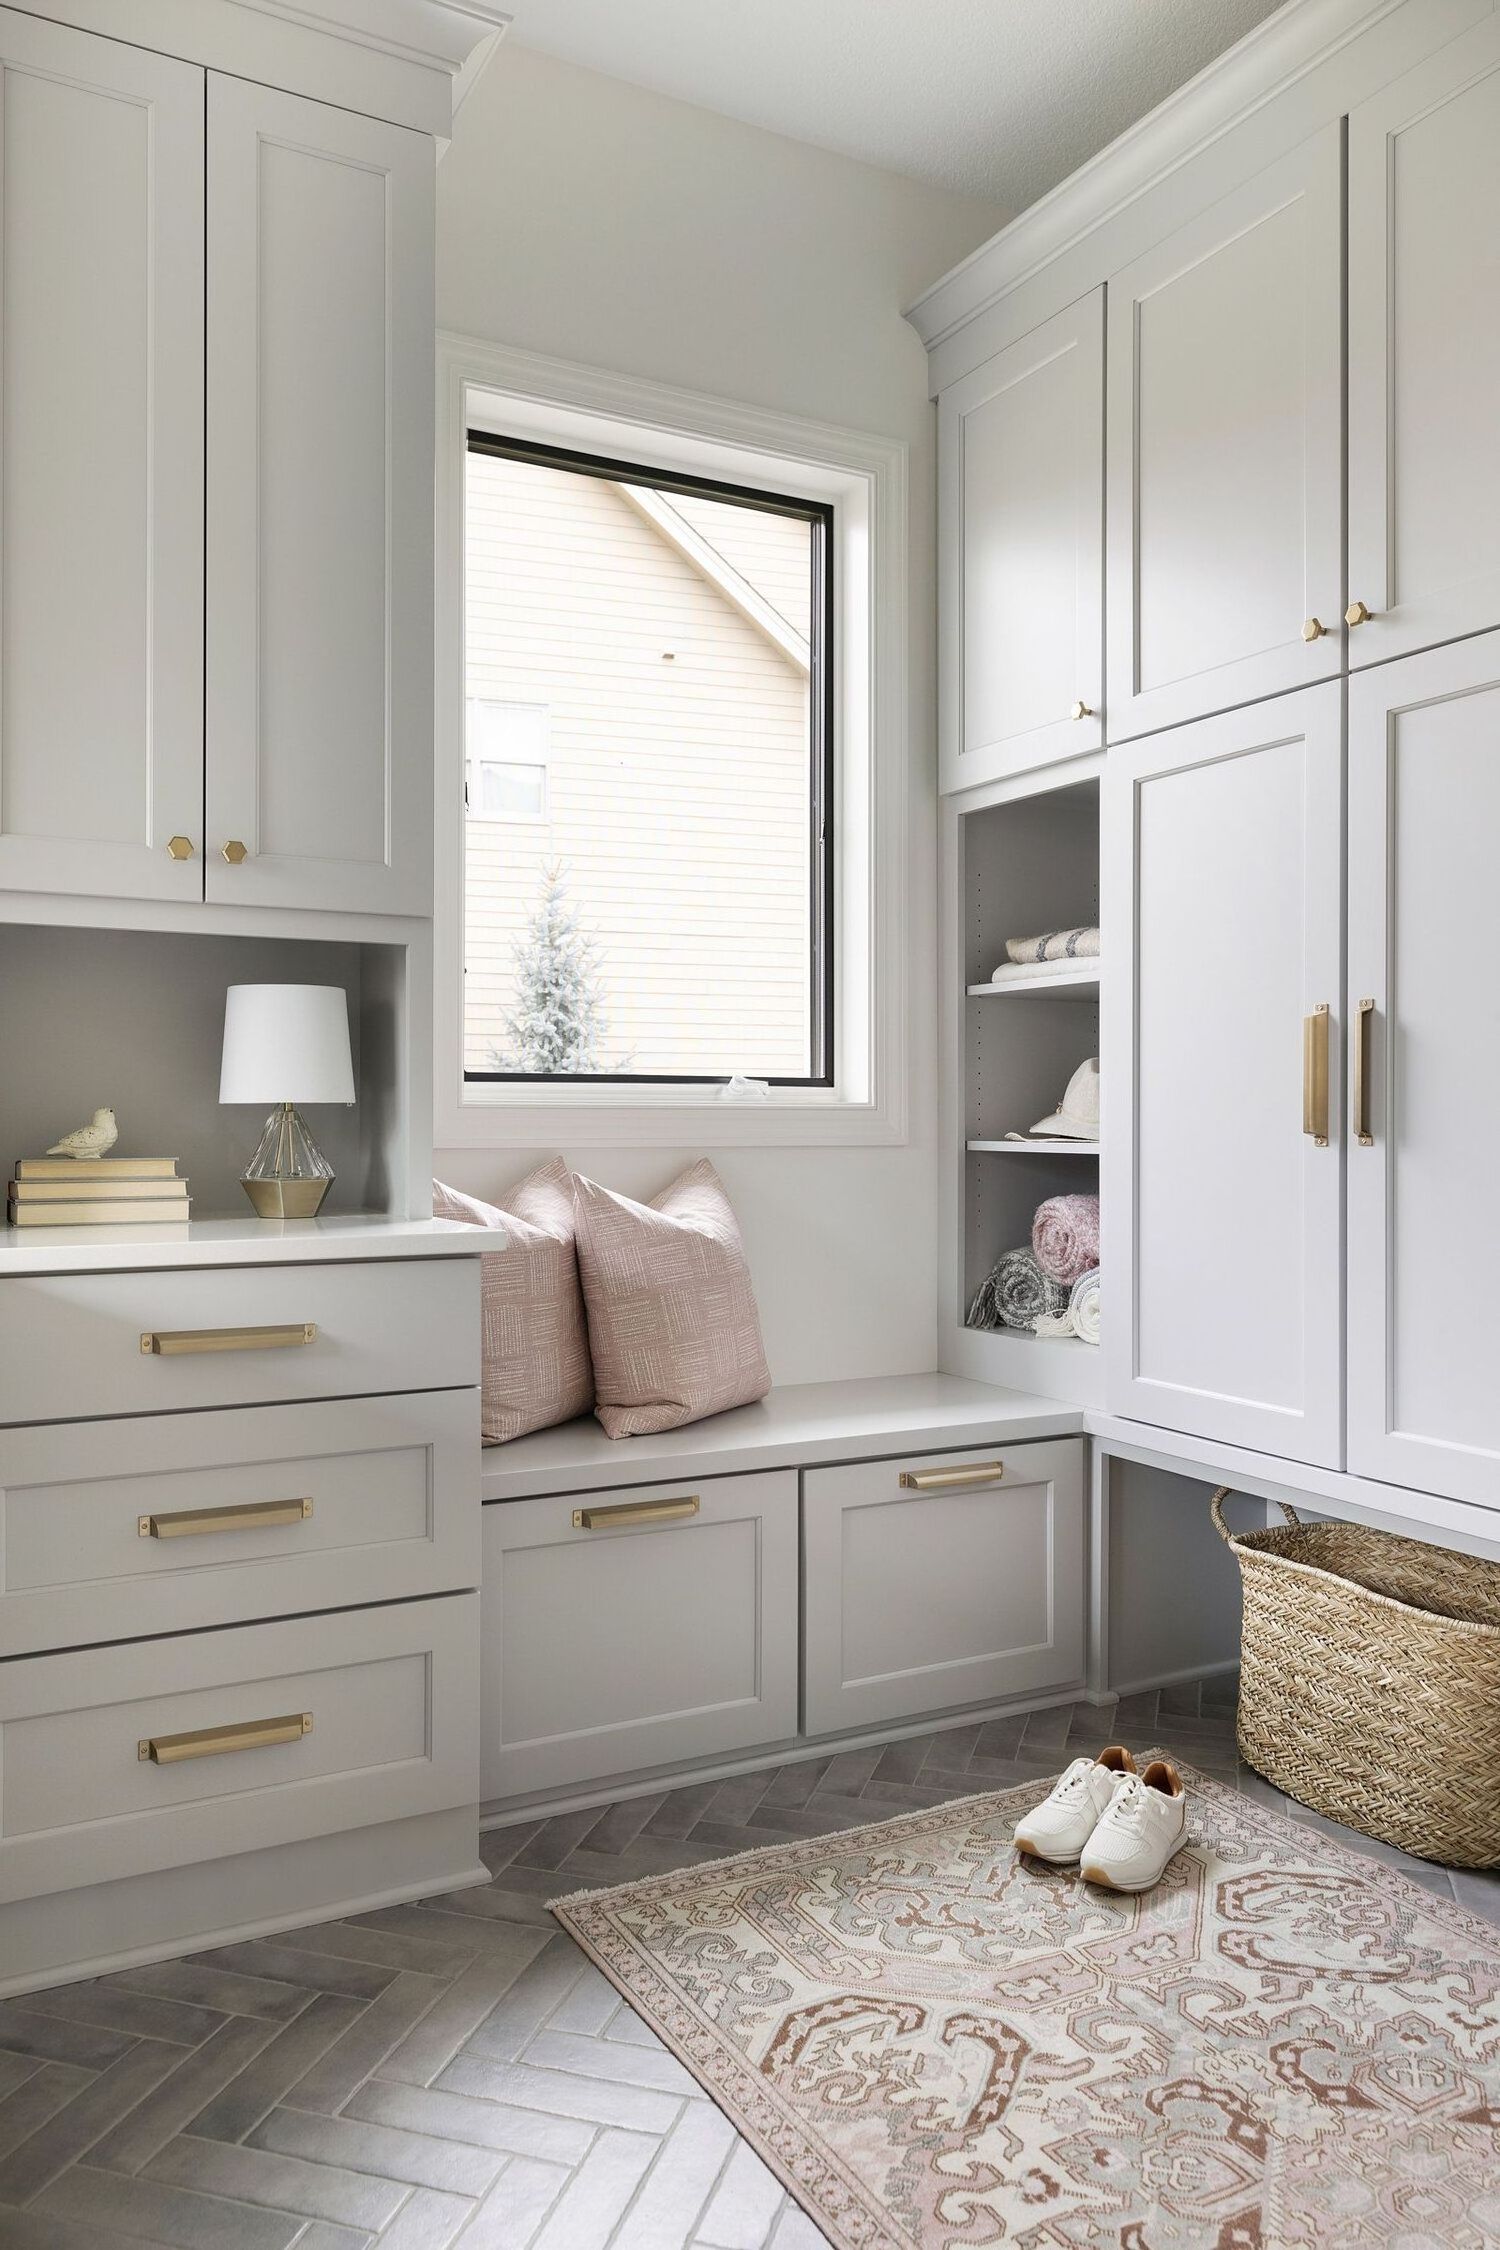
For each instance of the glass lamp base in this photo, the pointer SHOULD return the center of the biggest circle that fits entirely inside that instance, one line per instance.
(288, 1176)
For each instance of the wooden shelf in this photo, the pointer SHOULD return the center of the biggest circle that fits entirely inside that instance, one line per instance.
(1032, 1148)
(1076, 983)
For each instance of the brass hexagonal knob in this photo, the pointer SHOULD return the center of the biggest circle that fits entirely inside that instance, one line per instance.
(179, 847)
(1357, 614)
(234, 851)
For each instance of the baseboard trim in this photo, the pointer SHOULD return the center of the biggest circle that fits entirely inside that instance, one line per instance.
(1175, 1679)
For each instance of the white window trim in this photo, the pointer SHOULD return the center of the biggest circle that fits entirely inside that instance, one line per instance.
(865, 477)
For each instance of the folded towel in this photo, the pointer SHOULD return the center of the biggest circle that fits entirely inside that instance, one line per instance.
(1065, 1237)
(1055, 945)
(1015, 1293)
(1082, 1316)
(1027, 972)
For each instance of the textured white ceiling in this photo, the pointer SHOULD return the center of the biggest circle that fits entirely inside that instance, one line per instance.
(997, 98)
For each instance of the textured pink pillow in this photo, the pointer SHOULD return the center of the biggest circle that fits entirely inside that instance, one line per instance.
(535, 1347)
(672, 1319)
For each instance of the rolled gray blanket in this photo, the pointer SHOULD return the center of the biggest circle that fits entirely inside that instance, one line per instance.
(1015, 1293)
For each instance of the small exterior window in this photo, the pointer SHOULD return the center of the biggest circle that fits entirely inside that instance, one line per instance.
(506, 769)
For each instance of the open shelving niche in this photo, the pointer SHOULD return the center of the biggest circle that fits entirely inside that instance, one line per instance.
(1019, 857)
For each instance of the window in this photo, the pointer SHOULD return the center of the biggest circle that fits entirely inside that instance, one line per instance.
(648, 876)
(505, 770)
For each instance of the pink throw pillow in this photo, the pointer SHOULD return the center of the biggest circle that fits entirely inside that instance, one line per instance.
(672, 1320)
(535, 1344)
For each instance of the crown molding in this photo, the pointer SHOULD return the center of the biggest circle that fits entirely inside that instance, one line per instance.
(436, 34)
(1283, 49)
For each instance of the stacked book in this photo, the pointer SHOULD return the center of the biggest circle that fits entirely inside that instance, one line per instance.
(97, 1191)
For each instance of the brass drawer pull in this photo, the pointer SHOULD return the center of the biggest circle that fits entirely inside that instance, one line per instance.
(953, 1480)
(635, 1511)
(248, 1515)
(1364, 1015)
(179, 1343)
(1315, 1075)
(215, 1742)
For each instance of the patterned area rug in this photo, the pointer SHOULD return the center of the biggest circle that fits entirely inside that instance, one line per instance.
(936, 2044)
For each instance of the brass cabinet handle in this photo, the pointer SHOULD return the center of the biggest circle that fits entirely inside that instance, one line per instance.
(181, 1343)
(1315, 1075)
(1081, 710)
(1357, 614)
(953, 1480)
(248, 1515)
(1363, 1016)
(216, 1742)
(635, 1511)
(1314, 629)
(179, 847)
(233, 851)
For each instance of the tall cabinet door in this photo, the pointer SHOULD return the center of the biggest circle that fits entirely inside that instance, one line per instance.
(320, 555)
(1225, 441)
(1221, 1156)
(1424, 943)
(1021, 552)
(1424, 353)
(101, 466)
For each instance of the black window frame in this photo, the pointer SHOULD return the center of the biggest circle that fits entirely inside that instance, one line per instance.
(819, 515)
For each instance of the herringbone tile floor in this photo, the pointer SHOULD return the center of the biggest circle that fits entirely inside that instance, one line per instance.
(456, 2071)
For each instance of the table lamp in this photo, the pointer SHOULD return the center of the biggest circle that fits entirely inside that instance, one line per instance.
(286, 1043)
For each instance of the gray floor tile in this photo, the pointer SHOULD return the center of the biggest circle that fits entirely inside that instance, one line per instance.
(587, 2007)
(322, 2234)
(678, 1811)
(795, 2231)
(1000, 1738)
(736, 1799)
(38, 2230)
(433, 1953)
(621, 2065)
(745, 2204)
(478, 2123)
(389, 2151)
(793, 1785)
(286, 1964)
(619, 1825)
(550, 1846)
(27, 2031)
(198, 2079)
(74, 2130)
(1049, 1730)
(48, 2088)
(427, 2220)
(149, 2211)
(530, 2000)
(214, 1988)
(244, 2099)
(499, 1846)
(135, 2013)
(1183, 1700)
(286, 2183)
(559, 2093)
(849, 1770)
(682, 2177)
(366, 2044)
(594, 2200)
(903, 1761)
(516, 2206)
(457, 2014)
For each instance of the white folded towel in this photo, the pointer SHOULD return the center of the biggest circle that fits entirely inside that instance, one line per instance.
(1079, 944)
(1026, 972)
(1082, 1316)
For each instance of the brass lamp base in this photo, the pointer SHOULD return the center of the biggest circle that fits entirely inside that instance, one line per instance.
(286, 1199)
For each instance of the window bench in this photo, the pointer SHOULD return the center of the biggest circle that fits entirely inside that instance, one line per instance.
(834, 1564)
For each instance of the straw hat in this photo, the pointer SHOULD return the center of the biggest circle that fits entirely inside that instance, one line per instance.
(1076, 1117)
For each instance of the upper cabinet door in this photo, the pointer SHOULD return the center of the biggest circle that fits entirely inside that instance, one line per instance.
(1222, 1188)
(320, 548)
(1021, 552)
(1225, 443)
(1424, 353)
(101, 466)
(1424, 938)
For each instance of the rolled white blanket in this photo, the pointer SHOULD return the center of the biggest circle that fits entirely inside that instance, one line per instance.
(1081, 1318)
(1055, 945)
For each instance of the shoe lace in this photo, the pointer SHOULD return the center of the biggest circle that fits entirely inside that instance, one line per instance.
(1072, 1782)
(1128, 1807)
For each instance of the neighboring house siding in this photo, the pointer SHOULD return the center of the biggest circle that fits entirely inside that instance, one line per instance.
(676, 790)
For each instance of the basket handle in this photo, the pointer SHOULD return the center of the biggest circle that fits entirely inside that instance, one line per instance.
(1216, 1510)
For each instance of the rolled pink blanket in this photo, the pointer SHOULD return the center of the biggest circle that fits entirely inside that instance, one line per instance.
(1065, 1236)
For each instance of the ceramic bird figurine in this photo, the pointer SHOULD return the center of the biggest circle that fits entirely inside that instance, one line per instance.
(95, 1139)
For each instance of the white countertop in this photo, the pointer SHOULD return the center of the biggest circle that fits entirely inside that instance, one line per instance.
(236, 1242)
(800, 1422)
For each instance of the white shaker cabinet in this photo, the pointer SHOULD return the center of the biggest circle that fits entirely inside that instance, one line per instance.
(1221, 1166)
(1424, 353)
(1225, 578)
(320, 540)
(1021, 552)
(1424, 944)
(101, 466)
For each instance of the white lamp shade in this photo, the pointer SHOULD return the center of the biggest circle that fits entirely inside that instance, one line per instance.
(286, 1043)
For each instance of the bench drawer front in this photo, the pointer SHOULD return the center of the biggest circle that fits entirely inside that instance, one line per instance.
(391, 1696)
(960, 1588)
(157, 1524)
(72, 1345)
(630, 1629)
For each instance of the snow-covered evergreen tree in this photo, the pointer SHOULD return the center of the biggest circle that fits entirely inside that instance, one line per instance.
(558, 1020)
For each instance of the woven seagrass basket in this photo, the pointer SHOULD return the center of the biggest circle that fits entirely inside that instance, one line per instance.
(1370, 1682)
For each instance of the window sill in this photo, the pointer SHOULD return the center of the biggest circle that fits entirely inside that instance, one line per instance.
(665, 1117)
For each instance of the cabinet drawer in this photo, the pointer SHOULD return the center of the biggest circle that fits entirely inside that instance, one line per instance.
(629, 1629)
(97, 1783)
(115, 1530)
(81, 1344)
(960, 1588)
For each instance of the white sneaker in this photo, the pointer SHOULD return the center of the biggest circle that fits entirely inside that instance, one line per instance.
(1143, 1827)
(1058, 1828)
